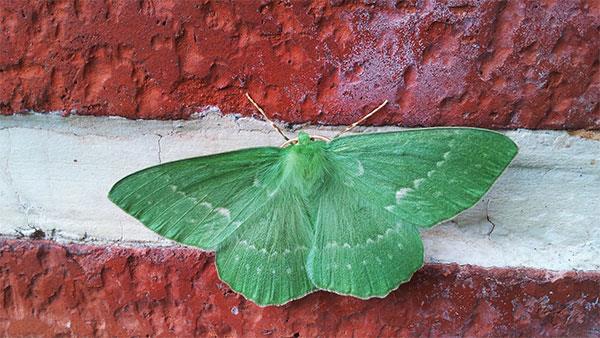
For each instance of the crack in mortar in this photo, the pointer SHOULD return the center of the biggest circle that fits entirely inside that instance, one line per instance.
(24, 205)
(174, 131)
(159, 148)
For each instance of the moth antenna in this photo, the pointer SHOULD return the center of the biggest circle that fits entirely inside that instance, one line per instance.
(353, 125)
(265, 116)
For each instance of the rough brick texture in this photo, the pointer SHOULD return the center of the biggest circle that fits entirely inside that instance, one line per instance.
(51, 289)
(484, 63)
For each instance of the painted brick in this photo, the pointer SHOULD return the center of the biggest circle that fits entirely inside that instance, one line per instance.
(52, 289)
(498, 64)
(57, 172)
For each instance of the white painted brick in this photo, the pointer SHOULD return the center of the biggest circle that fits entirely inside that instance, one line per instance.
(546, 207)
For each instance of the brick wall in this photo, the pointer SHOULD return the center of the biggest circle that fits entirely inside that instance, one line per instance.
(73, 264)
(490, 63)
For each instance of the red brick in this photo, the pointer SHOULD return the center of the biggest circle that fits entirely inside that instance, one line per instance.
(82, 290)
(494, 64)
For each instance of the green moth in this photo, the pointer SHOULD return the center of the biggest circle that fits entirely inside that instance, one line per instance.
(341, 215)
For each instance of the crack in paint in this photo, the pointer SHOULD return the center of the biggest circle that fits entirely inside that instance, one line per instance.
(24, 205)
(159, 148)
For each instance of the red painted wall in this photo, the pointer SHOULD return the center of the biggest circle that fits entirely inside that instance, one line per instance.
(50, 289)
(491, 63)
(495, 64)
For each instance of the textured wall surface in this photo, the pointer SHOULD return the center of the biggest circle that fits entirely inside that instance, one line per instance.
(501, 64)
(494, 64)
(58, 171)
(79, 290)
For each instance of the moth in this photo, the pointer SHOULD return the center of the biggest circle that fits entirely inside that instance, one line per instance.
(340, 214)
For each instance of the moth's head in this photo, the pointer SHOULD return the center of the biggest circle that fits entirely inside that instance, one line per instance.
(305, 139)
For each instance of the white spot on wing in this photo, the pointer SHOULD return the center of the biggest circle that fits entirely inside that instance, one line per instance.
(206, 205)
(418, 182)
(173, 188)
(390, 208)
(439, 163)
(360, 170)
(346, 245)
(288, 271)
(224, 212)
(430, 173)
(401, 193)
(349, 266)
(446, 155)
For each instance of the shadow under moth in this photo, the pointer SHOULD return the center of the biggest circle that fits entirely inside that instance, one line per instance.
(341, 215)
